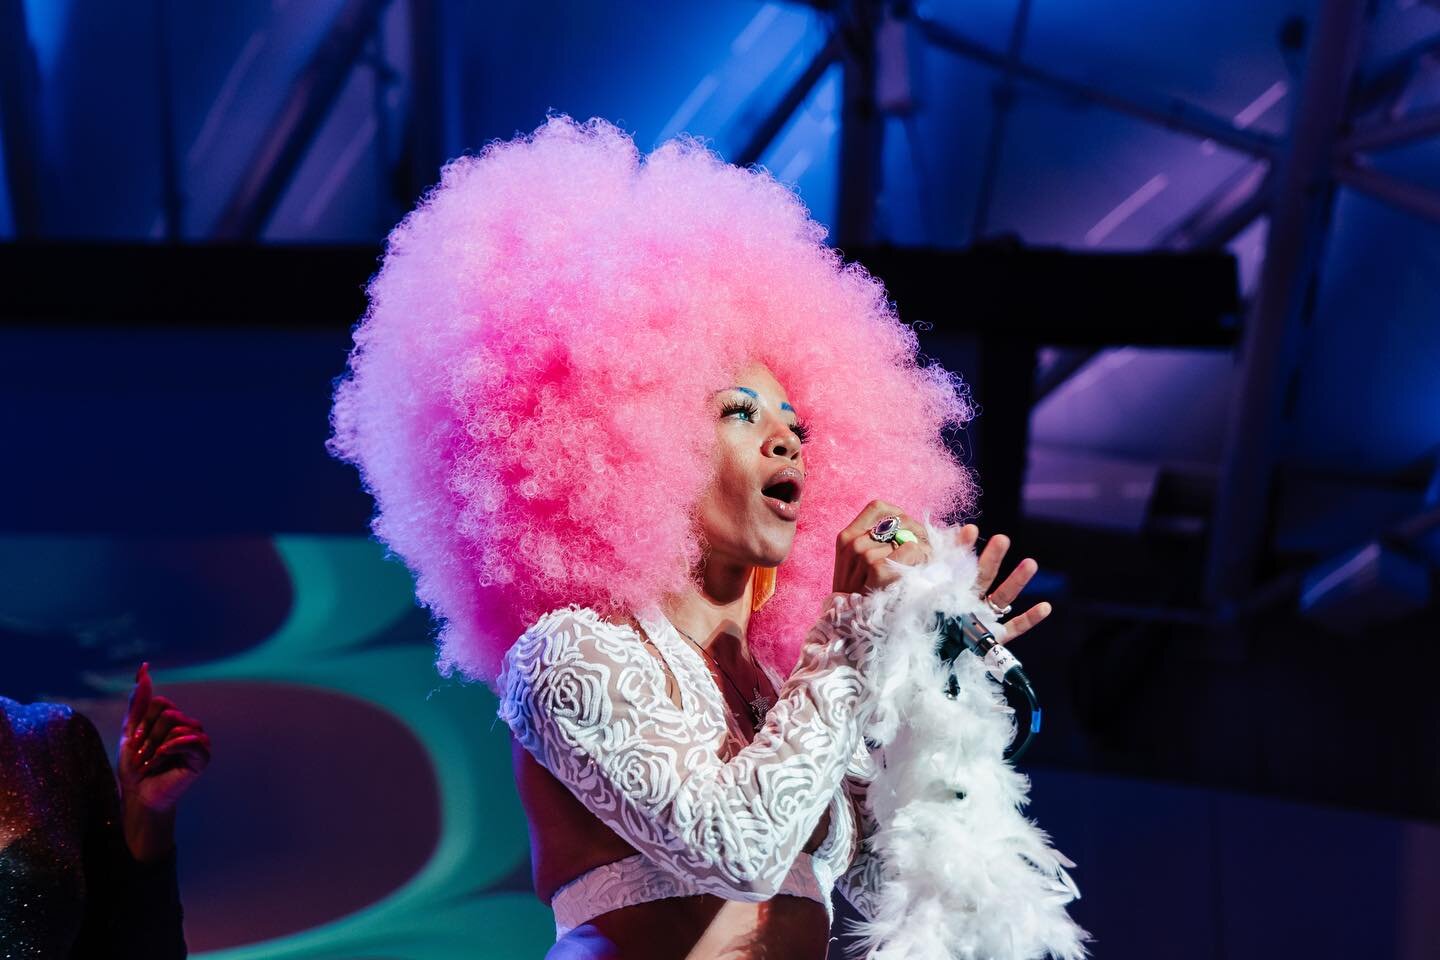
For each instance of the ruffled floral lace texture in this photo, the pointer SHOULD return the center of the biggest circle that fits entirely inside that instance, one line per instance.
(945, 856)
(585, 698)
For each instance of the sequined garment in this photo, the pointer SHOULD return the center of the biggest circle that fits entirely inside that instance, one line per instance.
(68, 885)
(589, 702)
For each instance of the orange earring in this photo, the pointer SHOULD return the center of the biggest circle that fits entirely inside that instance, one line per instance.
(762, 587)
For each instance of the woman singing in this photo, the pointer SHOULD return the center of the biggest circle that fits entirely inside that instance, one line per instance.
(634, 412)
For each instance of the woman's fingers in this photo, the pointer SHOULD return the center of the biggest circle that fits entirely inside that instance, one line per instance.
(874, 511)
(1016, 626)
(857, 554)
(192, 757)
(874, 575)
(862, 561)
(850, 562)
(166, 727)
(878, 560)
(911, 554)
(1007, 592)
(158, 730)
(990, 558)
(141, 733)
(195, 745)
(140, 698)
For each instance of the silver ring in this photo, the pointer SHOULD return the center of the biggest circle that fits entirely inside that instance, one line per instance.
(1000, 612)
(885, 529)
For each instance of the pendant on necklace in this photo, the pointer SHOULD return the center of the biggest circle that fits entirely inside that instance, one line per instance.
(759, 708)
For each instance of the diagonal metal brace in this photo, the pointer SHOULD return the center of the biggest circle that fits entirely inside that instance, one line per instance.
(304, 111)
(1171, 113)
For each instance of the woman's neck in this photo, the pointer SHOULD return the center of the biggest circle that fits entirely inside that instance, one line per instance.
(715, 611)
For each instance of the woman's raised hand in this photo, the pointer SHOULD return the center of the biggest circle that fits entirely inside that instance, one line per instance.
(861, 562)
(162, 750)
(1008, 592)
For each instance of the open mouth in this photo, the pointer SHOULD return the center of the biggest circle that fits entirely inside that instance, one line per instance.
(782, 493)
(786, 491)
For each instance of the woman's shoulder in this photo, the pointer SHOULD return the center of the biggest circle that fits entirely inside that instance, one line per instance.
(577, 616)
(572, 635)
(576, 622)
(567, 672)
(55, 731)
(42, 718)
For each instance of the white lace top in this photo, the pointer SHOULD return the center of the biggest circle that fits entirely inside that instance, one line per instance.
(585, 698)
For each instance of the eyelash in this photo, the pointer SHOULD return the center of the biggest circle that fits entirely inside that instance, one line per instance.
(801, 430)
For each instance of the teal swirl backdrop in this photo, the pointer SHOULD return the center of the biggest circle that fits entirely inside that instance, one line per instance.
(358, 806)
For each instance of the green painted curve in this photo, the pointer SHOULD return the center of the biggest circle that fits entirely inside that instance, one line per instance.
(347, 594)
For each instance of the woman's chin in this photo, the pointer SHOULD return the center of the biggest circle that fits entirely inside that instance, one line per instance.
(758, 549)
(774, 554)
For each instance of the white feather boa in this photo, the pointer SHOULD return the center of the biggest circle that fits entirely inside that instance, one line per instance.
(968, 878)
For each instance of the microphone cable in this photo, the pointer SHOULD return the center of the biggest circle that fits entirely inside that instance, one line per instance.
(966, 632)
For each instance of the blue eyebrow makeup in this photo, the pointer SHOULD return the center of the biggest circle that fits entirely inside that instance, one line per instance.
(751, 393)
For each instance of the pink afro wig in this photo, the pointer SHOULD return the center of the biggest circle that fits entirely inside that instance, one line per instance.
(529, 394)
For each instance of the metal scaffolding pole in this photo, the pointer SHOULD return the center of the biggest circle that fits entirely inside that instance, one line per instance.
(1380, 86)
(1406, 197)
(1299, 222)
(425, 136)
(1003, 99)
(20, 118)
(1223, 215)
(172, 196)
(1217, 220)
(267, 175)
(1380, 136)
(862, 128)
(773, 122)
(1171, 113)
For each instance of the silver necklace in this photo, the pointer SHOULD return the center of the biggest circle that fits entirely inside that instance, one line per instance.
(759, 705)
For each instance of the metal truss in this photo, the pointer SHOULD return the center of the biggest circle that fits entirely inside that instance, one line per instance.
(1299, 211)
(1343, 118)
(20, 118)
(273, 164)
(1293, 183)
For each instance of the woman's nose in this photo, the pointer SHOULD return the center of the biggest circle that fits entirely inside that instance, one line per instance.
(782, 444)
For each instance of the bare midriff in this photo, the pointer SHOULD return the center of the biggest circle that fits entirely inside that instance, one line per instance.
(702, 928)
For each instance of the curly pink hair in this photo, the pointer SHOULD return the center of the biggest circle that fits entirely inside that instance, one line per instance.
(529, 395)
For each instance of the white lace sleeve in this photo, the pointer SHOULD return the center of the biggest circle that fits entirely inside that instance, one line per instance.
(589, 702)
(861, 882)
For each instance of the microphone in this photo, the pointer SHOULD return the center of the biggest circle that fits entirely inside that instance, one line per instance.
(966, 632)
